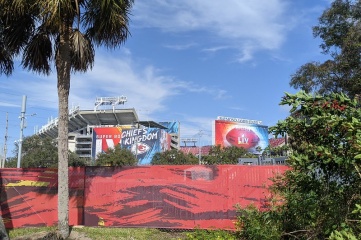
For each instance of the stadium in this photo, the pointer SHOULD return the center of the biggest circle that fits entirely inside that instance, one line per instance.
(94, 131)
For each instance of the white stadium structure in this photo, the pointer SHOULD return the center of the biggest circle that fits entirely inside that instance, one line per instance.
(82, 123)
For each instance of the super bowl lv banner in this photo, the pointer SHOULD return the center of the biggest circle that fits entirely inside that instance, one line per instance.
(104, 138)
(252, 137)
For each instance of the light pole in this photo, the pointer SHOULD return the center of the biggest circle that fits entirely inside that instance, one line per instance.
(200, 147)
(22, 124)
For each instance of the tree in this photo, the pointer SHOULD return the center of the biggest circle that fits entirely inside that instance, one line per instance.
(278, 151)
(174, 157)
(42, 152)
(64, 32)
(324, 185)
(227, 155)
(320, 196)
(259, 149)
(116, 156)
(11, 162)
(38, 152)
(340, 30)
(76, 161)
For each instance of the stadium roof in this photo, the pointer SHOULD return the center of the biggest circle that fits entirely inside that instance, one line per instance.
(80, 119)
(151, 124)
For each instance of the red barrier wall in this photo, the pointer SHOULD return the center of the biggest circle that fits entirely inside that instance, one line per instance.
(29, 196)
(145, 196)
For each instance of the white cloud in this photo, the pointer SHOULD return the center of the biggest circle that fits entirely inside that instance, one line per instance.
(245, 25)
(237, 108)
(147, 88)
(246, 53)
(7, 104)
(215, 49)
(181, 46)
(198, 127)
(39, 89)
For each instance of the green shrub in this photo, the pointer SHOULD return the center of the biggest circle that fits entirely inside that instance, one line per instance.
(211, 235)
(253, 223)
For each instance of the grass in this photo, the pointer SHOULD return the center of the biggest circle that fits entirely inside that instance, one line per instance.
(109, 233)
(102, 233)
(18, 232)
(130, 233)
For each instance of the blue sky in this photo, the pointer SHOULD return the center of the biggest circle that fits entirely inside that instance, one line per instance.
(188, 61)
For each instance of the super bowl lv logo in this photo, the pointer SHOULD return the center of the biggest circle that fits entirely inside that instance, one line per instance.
(242, 137)
(106, 138)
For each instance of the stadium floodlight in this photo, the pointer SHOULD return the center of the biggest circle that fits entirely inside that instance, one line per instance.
(100, 101)
(187, 140)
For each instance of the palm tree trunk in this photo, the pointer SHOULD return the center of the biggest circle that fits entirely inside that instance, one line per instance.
(63, 67)
(3, 232)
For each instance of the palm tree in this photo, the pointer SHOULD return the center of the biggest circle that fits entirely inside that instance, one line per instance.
(64, 32)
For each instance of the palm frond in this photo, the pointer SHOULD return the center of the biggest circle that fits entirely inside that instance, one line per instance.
(38, 53)
(82, 52)
(17, 7)
(6, 61)
(18, 24)
(107, 21)
(17, 34)
(55, 10)
(54, 13)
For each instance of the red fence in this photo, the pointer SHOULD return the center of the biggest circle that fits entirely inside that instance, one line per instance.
(181, 197)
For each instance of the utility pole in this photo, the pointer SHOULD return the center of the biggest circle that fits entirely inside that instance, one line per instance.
(5, 142)
(22, 125)
(200, 147)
